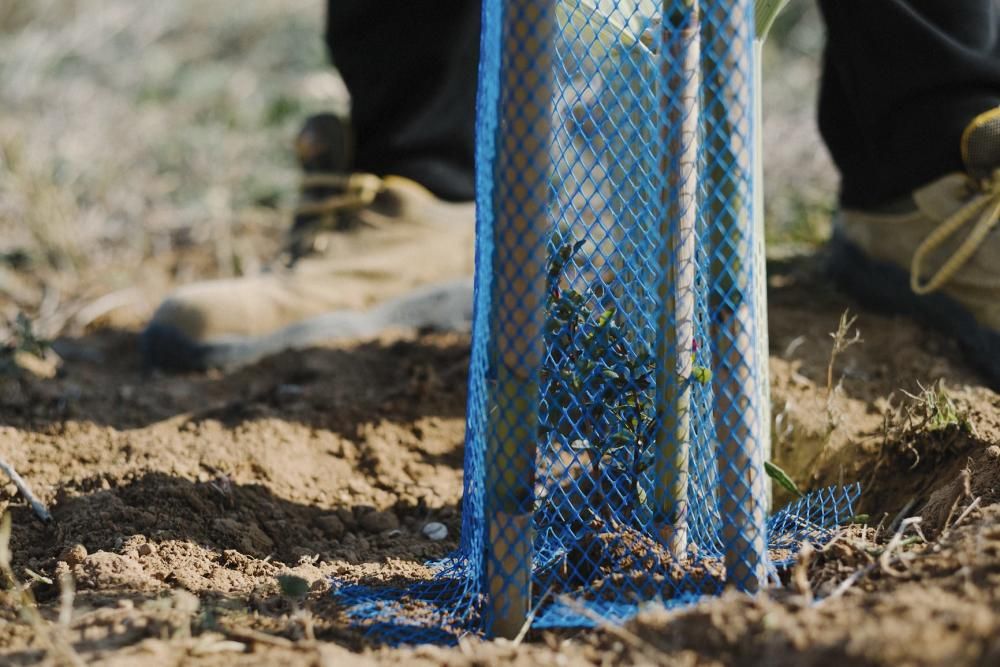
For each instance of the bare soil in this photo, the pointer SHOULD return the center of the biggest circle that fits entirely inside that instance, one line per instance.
(146, 145)
(179, 500)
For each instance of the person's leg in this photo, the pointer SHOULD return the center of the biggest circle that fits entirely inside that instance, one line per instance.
(359, 242)
(901, 81)
(411, 68)
(910, 109)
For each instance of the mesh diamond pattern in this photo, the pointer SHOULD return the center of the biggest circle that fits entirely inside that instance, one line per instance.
(617, 417)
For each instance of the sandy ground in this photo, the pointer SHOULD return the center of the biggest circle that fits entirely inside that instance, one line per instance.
(179, 501)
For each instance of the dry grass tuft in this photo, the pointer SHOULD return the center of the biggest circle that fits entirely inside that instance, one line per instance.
(132, 132)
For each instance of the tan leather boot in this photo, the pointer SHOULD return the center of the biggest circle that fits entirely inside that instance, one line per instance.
(356, 248)
(936, 256)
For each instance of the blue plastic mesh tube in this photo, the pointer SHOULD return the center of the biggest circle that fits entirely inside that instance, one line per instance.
(521, 231)
(617, 415)
(740, 411)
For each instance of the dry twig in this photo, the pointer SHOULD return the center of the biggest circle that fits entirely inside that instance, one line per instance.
(841, 341)
(41, 511)
(885, 561)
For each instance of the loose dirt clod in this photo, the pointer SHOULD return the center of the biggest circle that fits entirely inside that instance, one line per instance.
(74, 555)
(379, 522)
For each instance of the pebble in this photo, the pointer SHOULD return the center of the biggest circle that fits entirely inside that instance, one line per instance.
(147, 549)
(435, 531)
(45, 367)
(993, 452)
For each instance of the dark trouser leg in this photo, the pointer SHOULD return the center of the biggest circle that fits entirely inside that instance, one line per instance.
(901, 80)
(411, 68)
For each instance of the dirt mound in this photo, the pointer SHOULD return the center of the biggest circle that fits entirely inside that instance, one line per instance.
(932, 612)
(179, 501)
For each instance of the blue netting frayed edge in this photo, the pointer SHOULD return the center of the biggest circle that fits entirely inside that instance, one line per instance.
(436, 611)
(450, 604)
(812, 519)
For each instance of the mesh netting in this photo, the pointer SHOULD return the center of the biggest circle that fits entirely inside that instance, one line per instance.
(617, 421)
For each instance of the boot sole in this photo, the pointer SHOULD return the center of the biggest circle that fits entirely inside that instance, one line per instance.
(885, 288)
(444, 307)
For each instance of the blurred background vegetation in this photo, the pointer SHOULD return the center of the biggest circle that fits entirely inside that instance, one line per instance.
(144, 144)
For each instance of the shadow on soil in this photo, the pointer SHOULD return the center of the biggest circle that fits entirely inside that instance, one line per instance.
(136, 548)
(101, 380)
(341, 388)
(232, 520)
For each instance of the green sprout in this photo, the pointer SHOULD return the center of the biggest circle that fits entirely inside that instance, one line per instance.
(702, 374)
(292, 587)
(781, 478)
(936, 410)
(22, 339)
(598, 383)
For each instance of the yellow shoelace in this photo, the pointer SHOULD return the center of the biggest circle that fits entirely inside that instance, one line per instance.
(984, 208)
(353, 193)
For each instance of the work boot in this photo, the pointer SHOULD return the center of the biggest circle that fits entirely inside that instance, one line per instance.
(936, 256)
(357, 243)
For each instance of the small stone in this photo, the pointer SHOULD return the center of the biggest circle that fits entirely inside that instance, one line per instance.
(44, 367)
(379, 522)
(993, 452)
(147, 549)
(435, 531)
(331, 525)
(74, 555)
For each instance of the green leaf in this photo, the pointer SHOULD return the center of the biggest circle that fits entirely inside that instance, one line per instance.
(701, 374)
(781, 478)
(621, 439)
(292, 586)
(605, 318)
(765, 11)
(574, 297)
